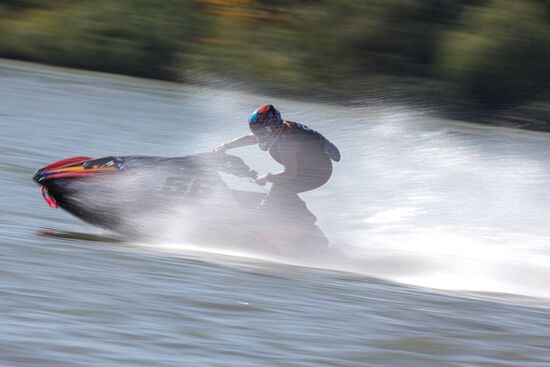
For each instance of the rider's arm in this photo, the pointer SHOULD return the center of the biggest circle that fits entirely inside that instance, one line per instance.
(249, 139)
(288, 157)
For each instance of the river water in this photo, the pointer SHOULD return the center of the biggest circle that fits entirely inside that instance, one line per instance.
(441, 232)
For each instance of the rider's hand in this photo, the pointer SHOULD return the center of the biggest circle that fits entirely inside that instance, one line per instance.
(220, 149)
(262, 180)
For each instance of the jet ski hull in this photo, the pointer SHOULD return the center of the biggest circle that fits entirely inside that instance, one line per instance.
(132, 194)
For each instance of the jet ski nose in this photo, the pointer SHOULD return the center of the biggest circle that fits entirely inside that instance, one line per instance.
(56, 169)
(48, 198)
(38, 176)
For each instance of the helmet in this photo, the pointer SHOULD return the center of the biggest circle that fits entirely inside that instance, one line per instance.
(264, 119)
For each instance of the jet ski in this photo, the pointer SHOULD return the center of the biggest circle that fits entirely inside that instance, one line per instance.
(135, 195)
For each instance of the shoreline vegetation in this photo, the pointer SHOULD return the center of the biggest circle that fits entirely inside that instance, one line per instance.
(483, 61)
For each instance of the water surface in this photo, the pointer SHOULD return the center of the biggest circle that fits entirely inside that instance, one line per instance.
(441, 228)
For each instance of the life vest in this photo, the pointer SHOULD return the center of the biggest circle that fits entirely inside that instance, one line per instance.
(308, 138)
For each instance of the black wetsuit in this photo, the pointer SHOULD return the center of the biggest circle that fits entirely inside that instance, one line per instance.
(314, 166)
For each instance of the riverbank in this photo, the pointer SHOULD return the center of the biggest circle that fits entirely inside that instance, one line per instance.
(455, 57)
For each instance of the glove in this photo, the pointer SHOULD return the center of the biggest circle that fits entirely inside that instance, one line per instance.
(220, 149)
(262, 180)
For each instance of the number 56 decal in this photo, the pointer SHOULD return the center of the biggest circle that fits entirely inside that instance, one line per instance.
(187, 186)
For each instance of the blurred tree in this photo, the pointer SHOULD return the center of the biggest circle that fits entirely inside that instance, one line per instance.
(21, 3)
(491, 51)
(136, 37)
(500, 53)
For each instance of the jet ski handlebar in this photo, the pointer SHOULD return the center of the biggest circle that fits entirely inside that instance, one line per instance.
(234, 165)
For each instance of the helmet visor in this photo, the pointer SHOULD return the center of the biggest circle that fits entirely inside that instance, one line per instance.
(261, 131)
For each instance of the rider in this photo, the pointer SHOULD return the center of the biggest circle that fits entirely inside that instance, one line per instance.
(304, 153)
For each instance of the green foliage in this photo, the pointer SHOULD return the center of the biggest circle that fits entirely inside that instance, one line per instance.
(492, 52)
(500, 54)
(134, 37)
